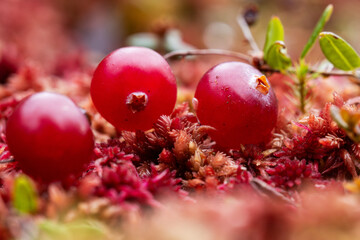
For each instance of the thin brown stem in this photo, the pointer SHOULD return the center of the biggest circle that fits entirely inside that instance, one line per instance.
(266, 68)
(249, 59)
(219, 52)
(354, 78)
(247, 33)
(302, 95)
(338, 73)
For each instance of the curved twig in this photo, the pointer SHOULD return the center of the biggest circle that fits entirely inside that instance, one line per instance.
(247, 33)
(249, 59)
(220, 52)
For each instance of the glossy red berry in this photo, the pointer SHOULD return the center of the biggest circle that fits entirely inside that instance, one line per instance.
(49, 136)
(132, 87)
(237, 100)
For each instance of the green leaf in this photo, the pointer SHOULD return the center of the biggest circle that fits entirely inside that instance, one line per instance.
(318, 28)
(83, 230)
(24, 195)
(277, 57)
(275, 32)
(53, 230)
(340, 53)
(87, 230)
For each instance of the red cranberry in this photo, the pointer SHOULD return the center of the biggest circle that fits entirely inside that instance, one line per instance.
(132, 87)
(49, 136)
(237, 100)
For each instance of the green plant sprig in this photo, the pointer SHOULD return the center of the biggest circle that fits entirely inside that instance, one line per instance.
(336, 50)
(276, 59)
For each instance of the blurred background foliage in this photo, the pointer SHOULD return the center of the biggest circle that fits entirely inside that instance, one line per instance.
(49, 28)
(105, 25)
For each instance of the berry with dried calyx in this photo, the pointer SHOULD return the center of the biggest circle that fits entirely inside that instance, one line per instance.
(238, 101)
(132, 87)
(49, 136)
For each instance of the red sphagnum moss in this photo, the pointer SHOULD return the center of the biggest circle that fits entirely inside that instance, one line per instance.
(173, 179)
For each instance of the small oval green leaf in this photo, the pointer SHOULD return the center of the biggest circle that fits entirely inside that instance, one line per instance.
(83, 229)
(318, 28)
(340, 53)
(49, 229)
(87, 230)
(24, 195)
(277, 57)
(275, 32)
